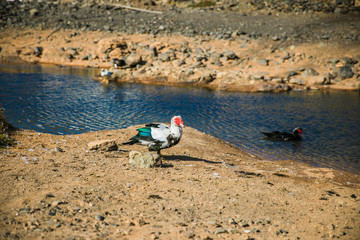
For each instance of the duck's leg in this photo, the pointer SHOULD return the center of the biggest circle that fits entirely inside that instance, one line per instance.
(158, 152)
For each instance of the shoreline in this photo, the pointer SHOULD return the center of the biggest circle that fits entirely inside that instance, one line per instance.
(57, 187)
(236, 65)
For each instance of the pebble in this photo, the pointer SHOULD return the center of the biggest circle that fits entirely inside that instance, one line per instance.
(99, 217)
(58, 149)
(220, 231)
(263, 62)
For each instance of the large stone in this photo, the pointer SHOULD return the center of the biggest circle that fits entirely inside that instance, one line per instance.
(103, 145)
(318, 80)
(144, 160)
(345, 72)
(297, 81)
(117, 73)
(133, 59)
(309, 72)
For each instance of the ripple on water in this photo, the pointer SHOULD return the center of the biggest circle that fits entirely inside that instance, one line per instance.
(62, 103)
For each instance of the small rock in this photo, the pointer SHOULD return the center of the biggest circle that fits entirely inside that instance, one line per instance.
(263, 62)
(291, 73)
(99, 217)
(164, 57)
(347, 60)
(103, 145)
(328, 78)
(58, 149)
(85, 57)
(230, 55)
(199, 51)
(33, 12)
(213, 222)
(221, 230)
(146, 160)
(38, 51)
(309, 72)
(55, 203)
(208, 78)
(190, 234)
(334, 61)
(49, 195)
(345, 72)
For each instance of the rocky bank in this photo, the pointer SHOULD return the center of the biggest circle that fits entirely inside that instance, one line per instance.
(243, 48)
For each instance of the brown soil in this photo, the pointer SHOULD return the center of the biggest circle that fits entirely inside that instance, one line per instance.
(243, 74)
(53, 187)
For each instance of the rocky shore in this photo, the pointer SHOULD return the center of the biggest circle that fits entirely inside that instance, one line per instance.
(241, 47)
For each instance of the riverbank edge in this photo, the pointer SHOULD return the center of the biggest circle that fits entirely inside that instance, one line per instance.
(336, 176)
(183, 61)
(54, 168)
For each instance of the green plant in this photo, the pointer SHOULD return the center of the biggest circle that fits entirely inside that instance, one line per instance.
(6, 141)
(5, 127)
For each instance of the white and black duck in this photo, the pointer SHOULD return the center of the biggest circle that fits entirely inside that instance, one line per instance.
(159, 136)
(105, 73)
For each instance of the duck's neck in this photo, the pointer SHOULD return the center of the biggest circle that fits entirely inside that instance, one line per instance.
(176, 130)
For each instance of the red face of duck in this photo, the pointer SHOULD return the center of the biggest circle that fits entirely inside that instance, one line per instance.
(179, 121)
(299, 130)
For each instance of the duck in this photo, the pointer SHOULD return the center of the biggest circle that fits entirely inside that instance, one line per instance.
(105, 73)
(285, 136)
(158, 136)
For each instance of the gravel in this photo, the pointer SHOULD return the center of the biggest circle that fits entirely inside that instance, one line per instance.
(218, 23)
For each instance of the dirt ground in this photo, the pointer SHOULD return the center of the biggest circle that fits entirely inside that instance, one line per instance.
(54, 187)
(284, 71)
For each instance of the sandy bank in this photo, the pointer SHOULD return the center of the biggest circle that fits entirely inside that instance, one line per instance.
(54, 187)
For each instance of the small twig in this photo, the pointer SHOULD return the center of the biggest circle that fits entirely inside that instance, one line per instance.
(57, 29)
(136, 9)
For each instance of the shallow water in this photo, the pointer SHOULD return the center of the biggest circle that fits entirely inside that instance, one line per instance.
(67, 101)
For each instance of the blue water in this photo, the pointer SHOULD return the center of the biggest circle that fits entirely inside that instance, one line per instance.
(62, 100)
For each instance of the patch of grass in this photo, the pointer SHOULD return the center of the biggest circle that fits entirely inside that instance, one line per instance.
(5, 127)
(6, 141)
(205, 3)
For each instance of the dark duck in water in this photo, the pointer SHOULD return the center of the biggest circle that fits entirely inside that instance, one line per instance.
(285, 136)
(158, 136)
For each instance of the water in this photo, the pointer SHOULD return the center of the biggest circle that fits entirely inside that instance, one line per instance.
(67, 101)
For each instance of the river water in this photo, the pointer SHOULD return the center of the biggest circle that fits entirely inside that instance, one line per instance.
(63, 100)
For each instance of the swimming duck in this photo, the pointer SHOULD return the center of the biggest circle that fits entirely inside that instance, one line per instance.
(285, 136)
